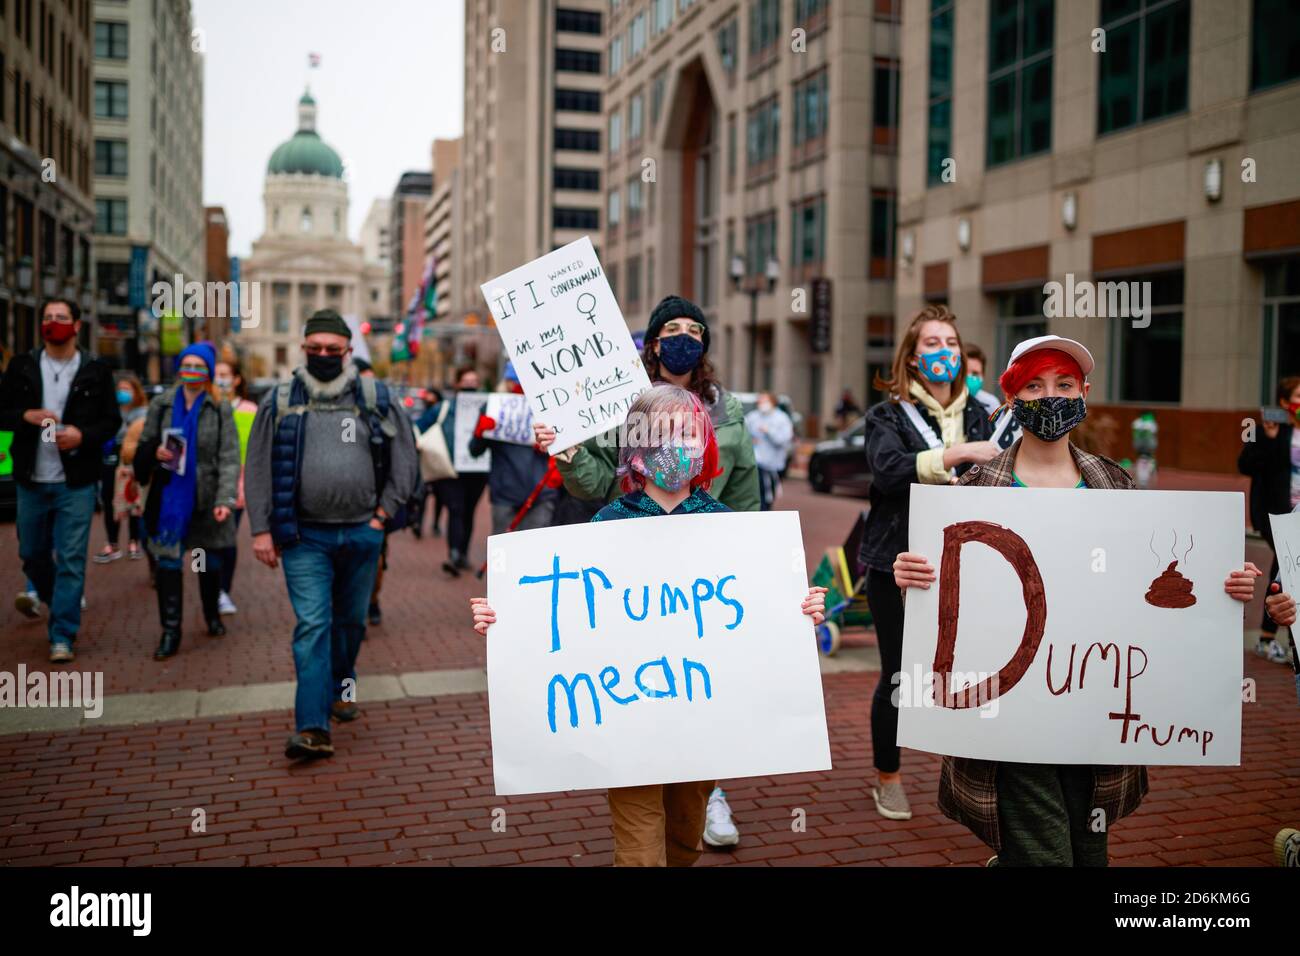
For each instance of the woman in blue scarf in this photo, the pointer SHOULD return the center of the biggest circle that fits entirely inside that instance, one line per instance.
(189, 455)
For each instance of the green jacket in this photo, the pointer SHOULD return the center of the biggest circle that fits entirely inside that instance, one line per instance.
(590, 474)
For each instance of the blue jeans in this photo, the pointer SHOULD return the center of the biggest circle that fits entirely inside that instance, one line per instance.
(53, 534)
(330, 573)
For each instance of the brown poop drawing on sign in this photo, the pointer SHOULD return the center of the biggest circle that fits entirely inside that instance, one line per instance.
(1170, 589)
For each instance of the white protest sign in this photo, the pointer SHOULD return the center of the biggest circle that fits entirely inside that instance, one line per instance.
(564, 332)
(652, 651)
(1286, 545)
(513, 417)
(1074, 626)
(469, 406)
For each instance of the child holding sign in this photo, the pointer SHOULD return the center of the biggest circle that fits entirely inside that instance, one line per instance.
(1044, 814)
(665, 467)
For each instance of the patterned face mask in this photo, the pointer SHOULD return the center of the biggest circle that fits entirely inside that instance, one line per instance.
(940, 366)
(670, 466)
(1049, 419)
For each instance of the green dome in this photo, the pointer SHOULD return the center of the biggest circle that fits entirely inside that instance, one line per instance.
(306, 153)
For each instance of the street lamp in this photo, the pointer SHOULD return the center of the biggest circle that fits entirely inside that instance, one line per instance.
(771, 273)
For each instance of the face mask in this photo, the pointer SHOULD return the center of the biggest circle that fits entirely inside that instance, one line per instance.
(974, 383)
(1294, 410)
(1049, 419)
(56, 333)
(671, 467)
(765, 407)
(680, 353)
(193, 376)
(941, 366)
(325, 368)
(225, 384)
(124, 398)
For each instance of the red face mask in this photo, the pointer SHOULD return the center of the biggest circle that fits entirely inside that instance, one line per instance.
(56, 333)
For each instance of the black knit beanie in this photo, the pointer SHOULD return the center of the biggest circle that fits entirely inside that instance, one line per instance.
(675, 307)
(327, 320)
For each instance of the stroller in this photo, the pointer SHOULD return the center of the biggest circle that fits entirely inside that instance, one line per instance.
(841, 574)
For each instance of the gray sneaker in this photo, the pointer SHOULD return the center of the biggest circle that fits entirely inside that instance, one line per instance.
(61, 652)
(891, 802)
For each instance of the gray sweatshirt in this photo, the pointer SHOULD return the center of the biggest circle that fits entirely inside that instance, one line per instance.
(336, 483)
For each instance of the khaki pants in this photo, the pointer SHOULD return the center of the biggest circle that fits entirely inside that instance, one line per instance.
(659, 825)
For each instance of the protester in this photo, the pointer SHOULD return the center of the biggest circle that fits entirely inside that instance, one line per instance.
(772, 432)
(846, 409)
(1272, 461)
(61, 405)
(462, 493)
(927, 431)
(661, 824)
(430, 488)
(675, 351)
(975, 361)
(320, 501)
(189, 457)
(232, 387)
(374, 615)
(1042, 814)
(516, 472)
(133, 405)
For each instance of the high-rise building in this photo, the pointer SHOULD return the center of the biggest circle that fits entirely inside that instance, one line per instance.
(374, 231)
(749, 158)
(46, 215)
(1148, 141)
(216, 323)
(406, 239)
(443, 215)
(148, 154)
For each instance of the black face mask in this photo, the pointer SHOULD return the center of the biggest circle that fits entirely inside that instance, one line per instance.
(1049, 419)
(680, 353)
(325, 368)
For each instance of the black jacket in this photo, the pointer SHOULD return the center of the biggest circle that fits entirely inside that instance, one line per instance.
(92, 408)
(892, 444)
(1268, 463)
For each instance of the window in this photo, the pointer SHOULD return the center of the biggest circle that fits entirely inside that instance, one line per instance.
(808, 234)
(578, 101)
(615, 55)
(760, 243)
(882, 235)
(304, 223)
(763, 133)
(636, 35)
(635, 120)
(634, 203)
(939, 99)
(611, 273)
(615, 214)
(577, 61)
(615, 132)
(281, 318)
(1274, 43)
(587, 180)
(1143, 74)
(728, 44)
(764, 25)
(1281, 325)
(810, 113)
(110, 40)
(110, 217)
(581, 140)
(1020, 79)
(633, 290)
(577, 21)
(1148, 362)
(110, 100)
(656, 97)
(1020, 317)
(884, 105)
(110, 157)
(805, 10)
(661, 16)
(569, 218)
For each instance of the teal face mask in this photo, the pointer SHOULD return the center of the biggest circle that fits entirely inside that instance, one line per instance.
(974, 383)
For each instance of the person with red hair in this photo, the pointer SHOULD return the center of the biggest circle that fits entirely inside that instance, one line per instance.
(667, 462)
(1042, 814)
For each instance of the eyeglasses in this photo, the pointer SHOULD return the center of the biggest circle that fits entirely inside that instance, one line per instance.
(324, 350)
(693, 329)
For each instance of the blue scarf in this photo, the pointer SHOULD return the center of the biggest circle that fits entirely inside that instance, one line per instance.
(178, 495)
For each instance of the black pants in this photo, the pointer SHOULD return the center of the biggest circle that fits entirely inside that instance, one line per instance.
(229, 556)
(886, 603)
(461, 495)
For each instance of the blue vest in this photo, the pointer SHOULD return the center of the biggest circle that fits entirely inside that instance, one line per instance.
(286, 447)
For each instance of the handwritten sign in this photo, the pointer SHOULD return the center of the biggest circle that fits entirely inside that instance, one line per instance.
(563, 330)
(638, 652)
(1074, 626)
(469, 406)
(1286, 544)
(513, 416)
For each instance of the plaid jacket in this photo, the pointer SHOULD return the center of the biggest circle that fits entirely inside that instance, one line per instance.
(967, 787)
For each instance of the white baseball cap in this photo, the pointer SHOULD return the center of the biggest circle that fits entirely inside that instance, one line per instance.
(1070, 347)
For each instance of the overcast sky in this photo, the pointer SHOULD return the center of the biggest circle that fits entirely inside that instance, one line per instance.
(389, 83)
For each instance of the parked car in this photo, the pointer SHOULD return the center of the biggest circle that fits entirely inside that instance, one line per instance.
(841, 462)
(749, 402)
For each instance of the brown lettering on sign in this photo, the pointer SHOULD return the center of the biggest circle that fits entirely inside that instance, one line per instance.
(1012, 547)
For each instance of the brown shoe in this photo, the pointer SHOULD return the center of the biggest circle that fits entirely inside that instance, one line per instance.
(309, 744)
(344, 711)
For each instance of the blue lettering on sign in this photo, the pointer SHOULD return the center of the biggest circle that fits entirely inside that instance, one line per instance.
(609, 680)
(554, 577)
(668, 679)
(645, 603)
(570, 688)
(687, 667)
(699, 600)
(591, 592)
(609, 686)
(740, 610)
(668, 598)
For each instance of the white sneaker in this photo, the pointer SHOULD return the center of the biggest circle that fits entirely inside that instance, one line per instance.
(28, 604)
(1273, 651)
(718, 828)
(83, 602)
(225, 605)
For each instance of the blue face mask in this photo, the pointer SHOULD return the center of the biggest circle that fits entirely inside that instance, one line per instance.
(974, 383)
(124, 397)
(680, 353)
(940, 366)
